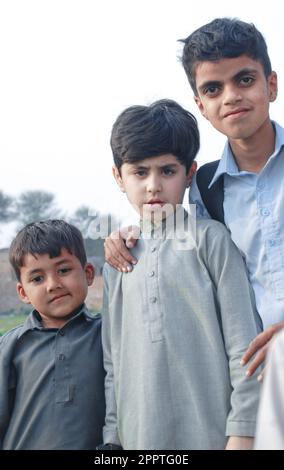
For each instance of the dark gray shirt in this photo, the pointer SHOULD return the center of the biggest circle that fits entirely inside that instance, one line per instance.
(52, 385)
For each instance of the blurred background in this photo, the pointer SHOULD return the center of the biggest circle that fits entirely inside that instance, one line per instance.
(68, 68)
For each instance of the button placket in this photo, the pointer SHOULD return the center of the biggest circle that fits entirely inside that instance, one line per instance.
(62, 374)
(154, 303)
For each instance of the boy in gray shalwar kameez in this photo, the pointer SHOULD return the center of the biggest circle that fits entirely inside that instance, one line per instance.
(174, 329)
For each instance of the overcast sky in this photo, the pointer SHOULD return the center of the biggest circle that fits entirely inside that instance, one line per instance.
(69, 67)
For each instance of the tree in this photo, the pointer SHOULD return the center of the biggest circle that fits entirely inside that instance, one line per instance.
(33, 206)
(82, 218)
(93, 224)
(6, 208)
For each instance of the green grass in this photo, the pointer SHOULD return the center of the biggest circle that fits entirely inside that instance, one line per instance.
(10, 321)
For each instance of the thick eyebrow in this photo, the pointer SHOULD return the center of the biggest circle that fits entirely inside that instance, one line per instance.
(216, 83)
(246, 71)
(145, 167)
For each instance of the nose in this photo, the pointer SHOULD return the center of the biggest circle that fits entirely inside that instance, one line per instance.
(53, 283)
(154, 184)
(232, 94)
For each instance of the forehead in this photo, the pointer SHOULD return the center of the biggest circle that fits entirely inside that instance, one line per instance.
(43, 261)
(157, 161)
(225, 68)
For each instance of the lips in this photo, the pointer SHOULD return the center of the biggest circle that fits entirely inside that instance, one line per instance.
(155, 201)
(58, 297)
(236, 112)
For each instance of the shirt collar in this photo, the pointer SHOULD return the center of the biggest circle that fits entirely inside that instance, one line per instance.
(172, 227)
(33, 321)
(227, 164)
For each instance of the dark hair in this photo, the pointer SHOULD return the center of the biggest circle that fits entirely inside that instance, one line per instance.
(46, 237)
(164, 127)
(223, 38)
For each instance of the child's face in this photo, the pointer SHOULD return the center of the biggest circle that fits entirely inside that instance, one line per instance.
(54, 286)
(154, 185)
(234, 95)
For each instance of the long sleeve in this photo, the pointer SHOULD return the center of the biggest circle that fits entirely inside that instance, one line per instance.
(270, 422)
(7, 386)
(239, 324)
(110, 432)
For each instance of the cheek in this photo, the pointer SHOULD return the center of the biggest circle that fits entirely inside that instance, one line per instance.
(78, 285)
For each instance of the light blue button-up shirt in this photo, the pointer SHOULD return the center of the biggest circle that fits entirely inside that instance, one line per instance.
(254, 215)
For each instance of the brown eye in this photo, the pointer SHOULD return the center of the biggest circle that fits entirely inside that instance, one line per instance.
(37, 279)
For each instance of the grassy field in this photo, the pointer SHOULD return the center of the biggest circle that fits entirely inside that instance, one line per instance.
(10, 321)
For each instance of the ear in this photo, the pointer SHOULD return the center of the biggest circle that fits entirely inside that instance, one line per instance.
(90, 273)
(200, 106)
(118, 178)
(272, 86)
(22, 294)
(190, 173)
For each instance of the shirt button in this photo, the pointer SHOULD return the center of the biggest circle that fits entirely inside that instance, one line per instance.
(260, 186)
(61, 333)
(151, 273)
(265, 212)
(153, 300)
(153, 249)
(61, 357)
(272, 242)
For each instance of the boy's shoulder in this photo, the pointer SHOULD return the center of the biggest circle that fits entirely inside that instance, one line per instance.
(11, 336)
(212, 227)
(211, 234)
(95, 318)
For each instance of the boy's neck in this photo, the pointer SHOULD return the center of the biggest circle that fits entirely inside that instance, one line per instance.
(252, 154)
(158, 226)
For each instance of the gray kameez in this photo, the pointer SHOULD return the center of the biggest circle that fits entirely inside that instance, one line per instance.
(174, 331)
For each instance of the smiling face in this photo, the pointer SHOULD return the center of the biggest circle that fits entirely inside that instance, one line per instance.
(55, 287)
(234, 95)
(154, 185)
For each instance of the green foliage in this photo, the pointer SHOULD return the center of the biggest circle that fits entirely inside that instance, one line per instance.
(33, 206)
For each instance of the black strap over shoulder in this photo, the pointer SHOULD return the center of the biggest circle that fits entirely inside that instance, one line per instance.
(212, 197)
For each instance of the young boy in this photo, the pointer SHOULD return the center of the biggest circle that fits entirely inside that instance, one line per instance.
(175, 328)
(229, 70)
(51, 370)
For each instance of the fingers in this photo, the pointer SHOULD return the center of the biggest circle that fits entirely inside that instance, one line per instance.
(132, 237)
(258, 343)
(117, 255)
(257, 361)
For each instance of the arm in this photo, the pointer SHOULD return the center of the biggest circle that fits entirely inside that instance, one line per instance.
(259, 346)
(239, 323)
(239, 443)
(116, 252)
(7, 385)
(110, 431)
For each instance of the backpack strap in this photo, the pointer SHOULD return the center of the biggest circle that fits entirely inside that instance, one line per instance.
(212, 197)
